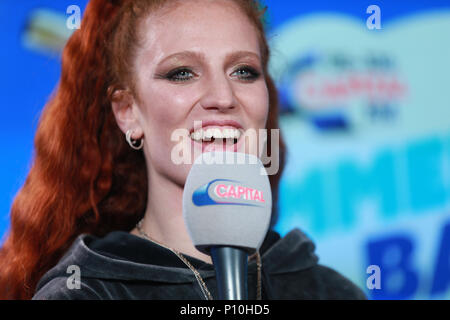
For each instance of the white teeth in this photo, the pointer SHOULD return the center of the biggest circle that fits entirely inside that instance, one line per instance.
(197, 135)
(229, 133)
(215, 133)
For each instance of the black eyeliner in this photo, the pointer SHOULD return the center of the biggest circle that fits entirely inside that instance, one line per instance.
(171, 74)
(254, 74)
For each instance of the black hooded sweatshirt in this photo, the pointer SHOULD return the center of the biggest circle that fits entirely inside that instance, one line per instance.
(124, 266)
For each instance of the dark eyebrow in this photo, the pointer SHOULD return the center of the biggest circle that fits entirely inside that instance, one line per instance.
(230, 58)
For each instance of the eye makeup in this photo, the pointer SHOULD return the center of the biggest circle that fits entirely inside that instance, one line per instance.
(182, 74)
(247, 73)
(179, 67)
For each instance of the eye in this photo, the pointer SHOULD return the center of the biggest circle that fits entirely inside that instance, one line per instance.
(180, 74)
(247, 73)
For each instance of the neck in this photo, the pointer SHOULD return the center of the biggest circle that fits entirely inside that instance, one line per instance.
(163, 220)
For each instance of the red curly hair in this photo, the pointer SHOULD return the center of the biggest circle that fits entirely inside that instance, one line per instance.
(84, 176)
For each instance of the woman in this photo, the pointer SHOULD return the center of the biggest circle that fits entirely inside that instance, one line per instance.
(103, 198)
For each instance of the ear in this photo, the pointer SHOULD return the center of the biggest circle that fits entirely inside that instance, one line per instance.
(122, 103)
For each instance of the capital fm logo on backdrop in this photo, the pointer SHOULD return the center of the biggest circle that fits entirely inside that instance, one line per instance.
(333, 90)
(340, 84)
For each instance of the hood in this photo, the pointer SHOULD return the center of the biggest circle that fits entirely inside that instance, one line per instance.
(109, 258)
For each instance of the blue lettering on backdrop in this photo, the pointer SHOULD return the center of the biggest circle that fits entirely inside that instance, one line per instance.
(441, 281)
(424, 184)
(407, 180)
(377, 180)
(399, 279)
(307, 196)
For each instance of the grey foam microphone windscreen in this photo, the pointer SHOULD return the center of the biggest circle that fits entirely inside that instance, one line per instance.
(227, 202)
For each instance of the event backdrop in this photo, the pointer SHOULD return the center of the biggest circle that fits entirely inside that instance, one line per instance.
(364, 91)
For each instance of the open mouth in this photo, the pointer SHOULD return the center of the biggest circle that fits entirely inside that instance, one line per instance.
(217, 138)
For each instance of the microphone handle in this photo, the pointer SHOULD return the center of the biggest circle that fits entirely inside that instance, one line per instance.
(231, 272)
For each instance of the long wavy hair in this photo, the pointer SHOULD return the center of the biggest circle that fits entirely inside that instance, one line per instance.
(84, 176)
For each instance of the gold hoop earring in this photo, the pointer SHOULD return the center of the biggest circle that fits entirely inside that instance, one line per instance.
(133, 143)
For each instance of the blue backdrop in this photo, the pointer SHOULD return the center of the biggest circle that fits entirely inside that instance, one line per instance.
(366, 116)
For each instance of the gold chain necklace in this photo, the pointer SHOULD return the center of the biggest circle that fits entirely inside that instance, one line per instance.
(197, 275)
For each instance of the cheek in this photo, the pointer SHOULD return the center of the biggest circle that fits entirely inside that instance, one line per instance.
(166, 109)
(257, 105)
(265, 111)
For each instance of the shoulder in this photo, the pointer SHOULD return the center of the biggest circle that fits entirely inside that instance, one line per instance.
(318, 282)
(69, 279)
(335, 285)
(62, 288)
(295, 272)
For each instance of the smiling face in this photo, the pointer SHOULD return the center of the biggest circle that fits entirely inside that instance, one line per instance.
(197, 61)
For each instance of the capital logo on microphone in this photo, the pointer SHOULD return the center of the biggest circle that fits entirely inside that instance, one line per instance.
(227, 192)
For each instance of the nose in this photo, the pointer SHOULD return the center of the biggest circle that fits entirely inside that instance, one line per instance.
(218, 94)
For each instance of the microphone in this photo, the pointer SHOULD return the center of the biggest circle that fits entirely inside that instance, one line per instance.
(227, 205)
